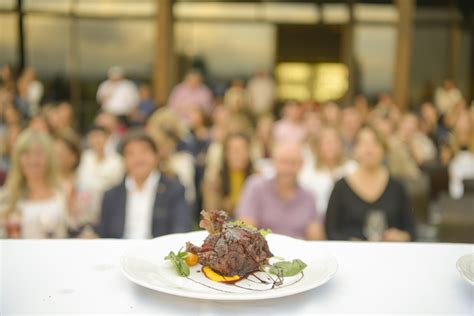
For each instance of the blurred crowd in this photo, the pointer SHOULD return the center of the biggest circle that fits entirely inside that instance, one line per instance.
(304, 169)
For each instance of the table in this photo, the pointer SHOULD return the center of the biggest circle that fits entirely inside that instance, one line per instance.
(83, 276)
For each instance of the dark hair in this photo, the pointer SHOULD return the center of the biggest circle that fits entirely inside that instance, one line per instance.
(224, 173)
(98, 128)
(194, 71)
(72, 142)
(138, 136)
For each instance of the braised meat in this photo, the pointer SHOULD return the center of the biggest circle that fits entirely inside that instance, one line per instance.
(230, 249)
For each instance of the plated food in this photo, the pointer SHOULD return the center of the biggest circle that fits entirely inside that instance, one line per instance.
(228, 261)
(230, 249)
(465, 266)
(233, 251)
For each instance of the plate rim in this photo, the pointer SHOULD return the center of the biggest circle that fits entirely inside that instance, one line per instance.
(459, 268)
(333, 266)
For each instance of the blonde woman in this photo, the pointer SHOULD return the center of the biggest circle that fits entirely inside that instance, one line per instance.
(329, 165)
(32, 204)
(168, 133)
(166, 119)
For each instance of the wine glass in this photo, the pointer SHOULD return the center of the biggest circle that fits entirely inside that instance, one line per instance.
(13, 225)
(375, 225)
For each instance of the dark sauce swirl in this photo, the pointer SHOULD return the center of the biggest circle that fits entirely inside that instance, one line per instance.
(253, 277)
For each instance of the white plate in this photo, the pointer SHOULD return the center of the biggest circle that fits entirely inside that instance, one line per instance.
(465, 266)
(145, 265)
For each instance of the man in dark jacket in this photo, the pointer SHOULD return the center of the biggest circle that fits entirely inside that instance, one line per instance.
(147, 203)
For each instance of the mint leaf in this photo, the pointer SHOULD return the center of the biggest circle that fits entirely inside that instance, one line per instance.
(178, 261)
(182, 255)
(183, 268)
(287, 268)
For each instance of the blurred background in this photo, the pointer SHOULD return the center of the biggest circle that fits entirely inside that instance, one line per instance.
(72, 43)
(274, 70)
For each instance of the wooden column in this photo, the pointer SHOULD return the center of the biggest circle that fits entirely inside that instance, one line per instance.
(454, 50)
(163, 72)
(471, 76)
(348, 53)
(21, 36)
(74, 66)
(401, 82)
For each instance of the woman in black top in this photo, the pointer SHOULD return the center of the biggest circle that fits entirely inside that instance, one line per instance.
(368, 204)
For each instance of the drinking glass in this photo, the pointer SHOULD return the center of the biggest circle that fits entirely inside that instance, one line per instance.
(375, 225)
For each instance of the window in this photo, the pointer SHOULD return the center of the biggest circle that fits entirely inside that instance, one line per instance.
(307, 81)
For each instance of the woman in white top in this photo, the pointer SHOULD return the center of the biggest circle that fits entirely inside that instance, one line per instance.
(461, 167)
(447, 96)
(99, 170)
(32, 205)
(329, 166)
(30, 90)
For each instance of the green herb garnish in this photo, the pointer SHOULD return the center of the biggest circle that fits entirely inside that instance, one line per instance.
(287, 268)
(178, 260)
(263, 232)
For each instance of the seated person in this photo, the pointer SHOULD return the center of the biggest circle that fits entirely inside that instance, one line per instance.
(279, 203)
(330, 165)
(175, 159)
(147, 203)
(461, 167)
(289, 127)
(222, 188)
(83, 205)
(32, 202)
(369, 203)
(98, 170)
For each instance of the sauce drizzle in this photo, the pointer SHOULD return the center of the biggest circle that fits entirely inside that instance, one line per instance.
(254, 278)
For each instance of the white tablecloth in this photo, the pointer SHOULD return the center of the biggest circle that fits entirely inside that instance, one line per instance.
(83, 276)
